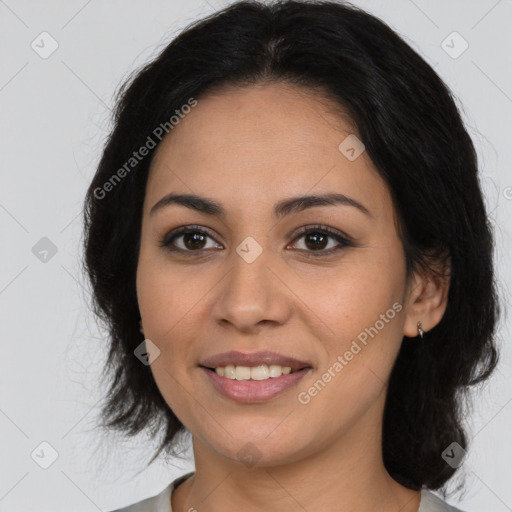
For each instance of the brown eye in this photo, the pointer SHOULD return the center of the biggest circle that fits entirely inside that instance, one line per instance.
(193, 241)
(188, 239)
(316, 241)
(322, 240)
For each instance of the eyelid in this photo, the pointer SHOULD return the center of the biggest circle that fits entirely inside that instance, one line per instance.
(319, 227)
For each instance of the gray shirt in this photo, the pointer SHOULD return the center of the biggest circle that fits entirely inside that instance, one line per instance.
(162, 502)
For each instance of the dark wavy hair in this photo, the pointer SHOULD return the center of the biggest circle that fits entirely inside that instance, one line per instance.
(408, 120)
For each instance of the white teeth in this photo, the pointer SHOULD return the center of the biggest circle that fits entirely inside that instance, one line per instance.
(242, 373)
(277, 371)
(261, 372)
(229, 371)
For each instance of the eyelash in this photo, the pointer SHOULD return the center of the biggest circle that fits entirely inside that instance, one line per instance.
(338, 237)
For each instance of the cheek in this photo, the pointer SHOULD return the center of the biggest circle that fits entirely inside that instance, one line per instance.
(166, 305)
(360, 314)
(166, 298)
(360, 347)
(349, 302)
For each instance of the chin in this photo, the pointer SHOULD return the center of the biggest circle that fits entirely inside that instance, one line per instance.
(260, 446)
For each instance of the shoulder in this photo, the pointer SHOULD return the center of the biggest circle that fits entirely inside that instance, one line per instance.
(432, 503)
(159, 503)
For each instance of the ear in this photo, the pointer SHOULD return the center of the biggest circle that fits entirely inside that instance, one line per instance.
(426, 299)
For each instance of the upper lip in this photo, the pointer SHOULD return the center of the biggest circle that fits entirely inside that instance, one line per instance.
(236, 358)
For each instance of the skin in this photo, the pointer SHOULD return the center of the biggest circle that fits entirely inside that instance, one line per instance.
(248, 148)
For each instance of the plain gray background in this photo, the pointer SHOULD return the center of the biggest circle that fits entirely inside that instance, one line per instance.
(55, 117)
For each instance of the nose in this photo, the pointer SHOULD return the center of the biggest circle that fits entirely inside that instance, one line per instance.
(252, 295)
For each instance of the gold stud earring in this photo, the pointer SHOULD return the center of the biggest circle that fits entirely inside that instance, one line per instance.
(420, 330)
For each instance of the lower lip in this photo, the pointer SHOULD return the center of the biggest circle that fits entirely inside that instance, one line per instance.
(253, 391)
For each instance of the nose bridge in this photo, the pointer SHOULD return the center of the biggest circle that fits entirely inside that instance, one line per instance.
(251, 293)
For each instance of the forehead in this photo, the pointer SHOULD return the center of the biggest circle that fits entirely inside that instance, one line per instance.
(262, 143)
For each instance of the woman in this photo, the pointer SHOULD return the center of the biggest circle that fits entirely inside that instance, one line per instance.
(288, 242)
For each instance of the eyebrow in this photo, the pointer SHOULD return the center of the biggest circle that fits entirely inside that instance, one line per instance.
(281, 209)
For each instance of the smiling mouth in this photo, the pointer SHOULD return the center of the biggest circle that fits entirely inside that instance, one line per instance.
(259, 372)
(254, 384)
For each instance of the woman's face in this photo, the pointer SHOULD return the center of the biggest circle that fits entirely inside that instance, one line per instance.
(247, 280)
